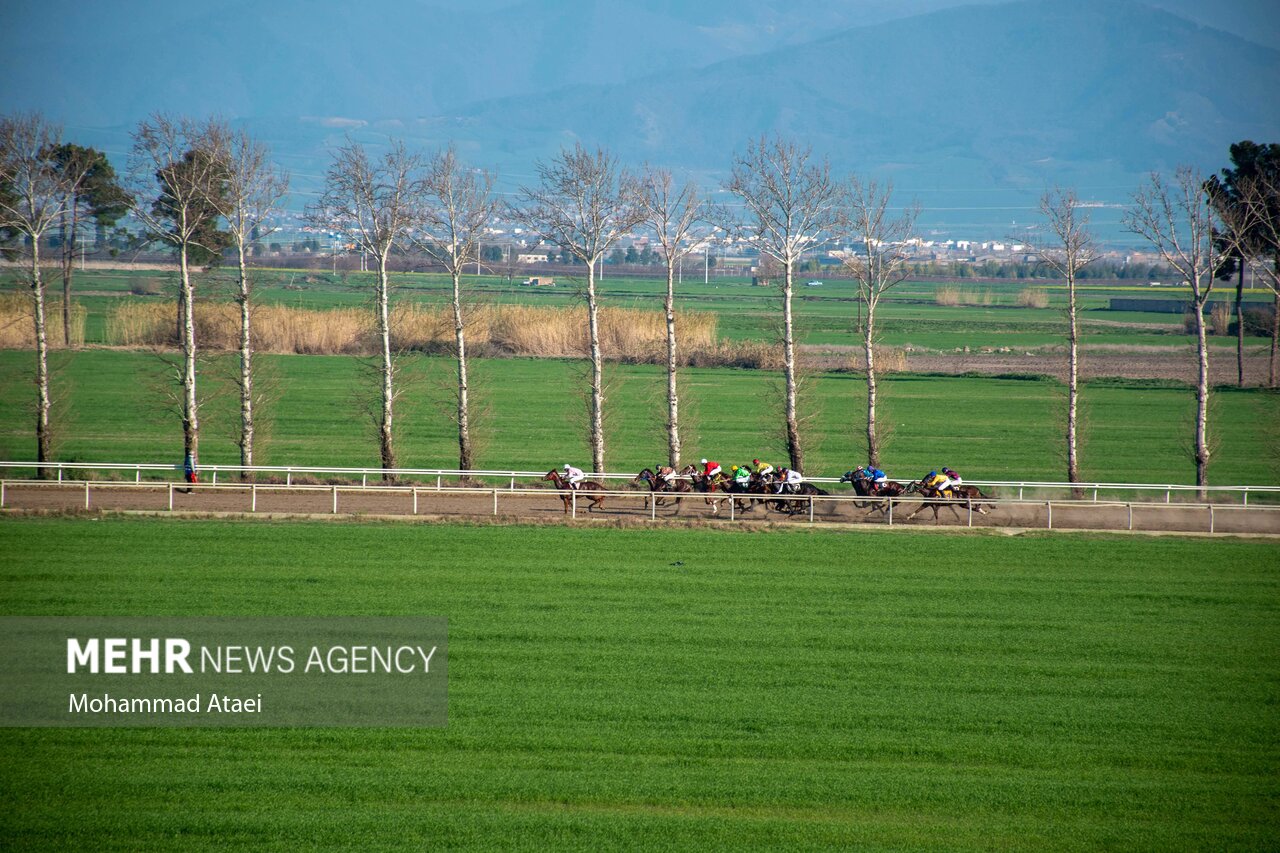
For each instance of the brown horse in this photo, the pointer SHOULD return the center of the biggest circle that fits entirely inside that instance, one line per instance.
(585, 486)
(700, 483)
(954, 498)
(865, 487)
(657, 484)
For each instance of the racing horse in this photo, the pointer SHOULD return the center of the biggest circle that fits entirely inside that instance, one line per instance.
(720, 483)
(865, 487)
(585, 486)
(954, 498)
(790, 501)
(657, 484)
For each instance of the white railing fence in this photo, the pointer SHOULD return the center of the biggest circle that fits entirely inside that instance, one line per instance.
(1096, 492)
(1103, 515)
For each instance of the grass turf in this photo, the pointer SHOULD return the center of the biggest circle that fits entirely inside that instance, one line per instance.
(529, 416)
(686, 689)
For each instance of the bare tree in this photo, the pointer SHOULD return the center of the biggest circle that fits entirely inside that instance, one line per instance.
(1071, 250)
(458, 205)
(1261, 203)
(585, 201)
(671, 214)
(375, 203)
(33, 197)
(253, 189)
(881, 266)
(179, 156)
(792, 206)
(1178, 221)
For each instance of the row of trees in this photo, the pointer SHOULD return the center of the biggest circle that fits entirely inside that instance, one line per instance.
(202, 188)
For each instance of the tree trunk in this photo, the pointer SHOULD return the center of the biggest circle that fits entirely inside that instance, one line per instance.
(673, 402)
(68, 263)
(43, 438)
(246, 367)
(1202, 399)
(794, 452)
(597, 377)
(873, 441)
(1275, 331)
(384, 337)
(464, 418)
(190, 412)
(1240, 326)
(1073, 376)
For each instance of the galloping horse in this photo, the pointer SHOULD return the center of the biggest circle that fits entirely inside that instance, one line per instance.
(585, 486)
(702, 484)
(657, 484)
(865, 487)
(955, 497)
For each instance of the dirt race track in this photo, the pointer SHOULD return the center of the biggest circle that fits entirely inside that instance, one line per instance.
(534, 505)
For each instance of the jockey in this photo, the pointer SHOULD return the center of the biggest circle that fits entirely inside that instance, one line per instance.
(939, 483)
(574, 476)
(875, 475)
(789, 480)
(741, 476)
(763, 469)
(666, 474)
(955, 478)
(712, 469)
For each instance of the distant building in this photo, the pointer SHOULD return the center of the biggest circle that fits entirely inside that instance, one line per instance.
(531, 258)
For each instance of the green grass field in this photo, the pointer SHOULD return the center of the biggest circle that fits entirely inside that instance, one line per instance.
(530, 417)
(676, 689)
(824, 316)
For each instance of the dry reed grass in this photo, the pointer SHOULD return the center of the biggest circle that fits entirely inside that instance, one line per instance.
(625, 333)
(1033, 297)
(1221, 316)
(952, 296)
(17, 329)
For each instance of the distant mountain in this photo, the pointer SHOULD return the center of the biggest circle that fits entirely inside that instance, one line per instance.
(1025, 87)
(972, 108)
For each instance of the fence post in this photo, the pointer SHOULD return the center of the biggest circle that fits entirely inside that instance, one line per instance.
(890, 511)
(1166, 495)
(215, 476)
(439, 478)
(969, 501)
(1019, 491)
(137, 474)
(1, 494)
(415, 501)
(1246, 495)
(59, 473)
(732, 503)
(1210, 518)
(495, 501)
(335, 500)
(653, 508)
(1049, 504)
(364, 481)
(573, 500)
(288, 477)
(253, 492)
(513, 482)
(1095, 494)
(171, 497)
(1130, 515)
(811, 509)
(86, 494)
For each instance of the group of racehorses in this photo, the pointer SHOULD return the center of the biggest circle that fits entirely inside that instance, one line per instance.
(765, 489)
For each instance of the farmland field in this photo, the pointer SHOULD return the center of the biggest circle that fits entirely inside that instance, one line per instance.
(530, 417)
(824, 316)
(691, 689)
